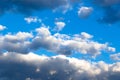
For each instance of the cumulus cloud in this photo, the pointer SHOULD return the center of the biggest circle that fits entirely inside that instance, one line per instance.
(18, 42)
(111, 10)
(59, 26)
(2, 27)
(65, 44)
(24, 42)
(27, 6)
(84, 12)
(115, 56)
(30, 66)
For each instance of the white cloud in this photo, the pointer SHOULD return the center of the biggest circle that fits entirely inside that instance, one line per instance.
(2, 27)
(19, 36)
(65, 44)
(85, 35)
(24, 42)
(84, 12)
(59, 26)
(32, 20)
(115, 56)
(43, 31)
(18, 42)
(111, 49)
(15, 66)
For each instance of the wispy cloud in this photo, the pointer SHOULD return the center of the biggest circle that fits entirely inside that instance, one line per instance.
(115, 57)
(32, 20)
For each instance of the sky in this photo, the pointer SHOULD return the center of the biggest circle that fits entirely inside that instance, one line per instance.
(59, 40)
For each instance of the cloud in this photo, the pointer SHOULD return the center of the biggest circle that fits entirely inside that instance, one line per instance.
(27, 6)
(84, 12)
(65, 44)
(24, 42)
(59, 26)
(15, 66)
(107, 2)
(111, 10)
(115, 57)
(32, 20)
(85, 35)
(2, 27)
(18, 42)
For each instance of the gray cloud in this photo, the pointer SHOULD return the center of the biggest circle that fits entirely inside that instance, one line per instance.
(24, 42)
(27, 6)
(115, 57)
(65, 44)
(14, 66)
(18, 42)
(84, 12)
(111, 10)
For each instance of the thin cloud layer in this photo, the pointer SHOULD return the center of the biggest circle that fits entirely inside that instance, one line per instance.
(24, 42)
(16, 66)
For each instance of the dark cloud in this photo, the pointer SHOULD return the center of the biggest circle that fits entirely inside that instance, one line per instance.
(26, 6)
(14, 66)
(105, 3)
(111, 10)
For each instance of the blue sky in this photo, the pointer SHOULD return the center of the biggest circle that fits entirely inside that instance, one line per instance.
(74, 25)
(84, 33)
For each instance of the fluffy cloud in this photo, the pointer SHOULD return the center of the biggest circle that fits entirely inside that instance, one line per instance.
(15, 42)
(27, 6)
(2, 27)
(115, 56)
(24, 42)
(59, 26)
(65, 44)
(30, 66)
(111, 10)
(85, 12)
